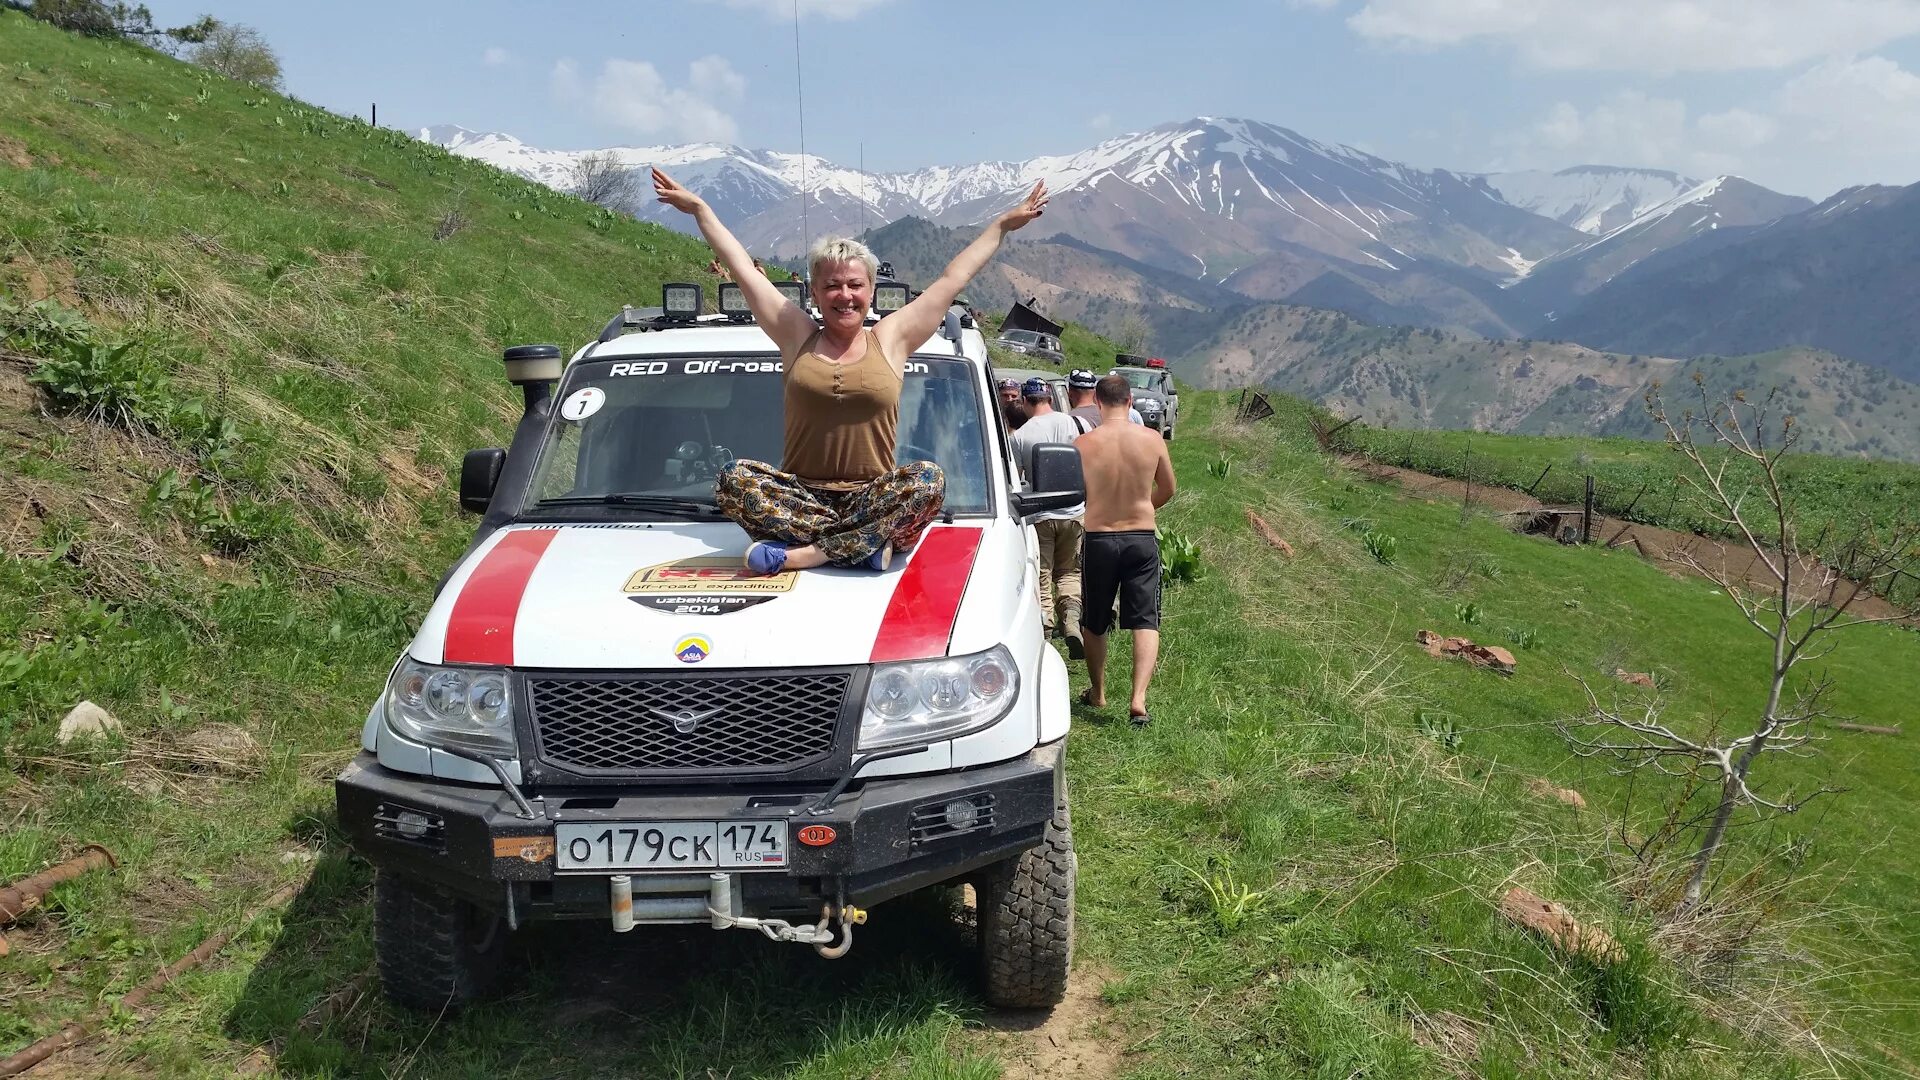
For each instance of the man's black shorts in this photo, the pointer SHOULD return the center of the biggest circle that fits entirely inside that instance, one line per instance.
(1126, 564)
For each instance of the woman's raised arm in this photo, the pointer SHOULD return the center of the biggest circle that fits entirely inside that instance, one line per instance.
(912, 325)
(784, 321)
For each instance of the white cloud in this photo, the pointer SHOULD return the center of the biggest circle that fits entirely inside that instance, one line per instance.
(1841, 122)
(495, 56)
(825, 9)
(1864, 112)
(1647, 35)
(633, 96)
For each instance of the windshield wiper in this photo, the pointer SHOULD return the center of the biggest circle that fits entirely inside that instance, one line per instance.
(673, 505)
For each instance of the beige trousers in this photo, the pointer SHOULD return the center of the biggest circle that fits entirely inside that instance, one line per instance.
(1059, 569)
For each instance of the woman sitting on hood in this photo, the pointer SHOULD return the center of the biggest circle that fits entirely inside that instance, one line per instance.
(838, 497)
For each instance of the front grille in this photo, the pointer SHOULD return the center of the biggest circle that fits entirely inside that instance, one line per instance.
(614, 726)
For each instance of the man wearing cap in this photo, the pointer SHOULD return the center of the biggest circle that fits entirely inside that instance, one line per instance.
(1058, 532)
(1086, 411)
(1009, 390)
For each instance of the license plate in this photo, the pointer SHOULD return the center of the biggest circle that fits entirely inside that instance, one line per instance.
(671, 845)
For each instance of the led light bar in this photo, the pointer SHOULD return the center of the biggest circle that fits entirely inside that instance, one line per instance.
(733, 302)
(680, 300)
(795, 291)
(889, 296)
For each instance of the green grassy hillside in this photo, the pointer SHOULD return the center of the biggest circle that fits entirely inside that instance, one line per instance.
(224, 457)
(1639, 480)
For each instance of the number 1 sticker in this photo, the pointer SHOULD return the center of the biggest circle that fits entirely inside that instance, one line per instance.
(583, 403)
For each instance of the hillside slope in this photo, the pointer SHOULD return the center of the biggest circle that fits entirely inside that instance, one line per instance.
(1841, 276)
(1404, 377)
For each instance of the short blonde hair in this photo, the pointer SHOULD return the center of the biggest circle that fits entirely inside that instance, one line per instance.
(833, 249)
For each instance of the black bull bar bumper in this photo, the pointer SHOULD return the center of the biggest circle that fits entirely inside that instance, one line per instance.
(475, 845)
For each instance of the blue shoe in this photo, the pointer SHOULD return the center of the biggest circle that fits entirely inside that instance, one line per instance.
(879, 560)
(766, 557)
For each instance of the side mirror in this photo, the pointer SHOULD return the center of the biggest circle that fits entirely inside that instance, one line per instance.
(1056, 480)
(479, 475)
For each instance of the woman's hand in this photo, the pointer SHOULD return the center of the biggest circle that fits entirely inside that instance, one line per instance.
(1029, 208)
(674, 195)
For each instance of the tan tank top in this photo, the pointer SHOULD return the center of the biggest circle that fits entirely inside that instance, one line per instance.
(841, 417)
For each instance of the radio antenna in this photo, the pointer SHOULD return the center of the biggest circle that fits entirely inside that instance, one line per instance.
(800, 98)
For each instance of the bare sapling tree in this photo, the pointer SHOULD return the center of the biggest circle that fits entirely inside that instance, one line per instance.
(1733, 449)
(601, 178)
(1133, 334)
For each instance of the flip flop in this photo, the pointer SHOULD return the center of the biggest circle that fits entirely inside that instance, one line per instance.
(1085, 697)
(1140, 719)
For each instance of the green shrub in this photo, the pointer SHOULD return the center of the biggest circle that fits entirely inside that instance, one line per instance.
(1382, 546)
(1221, 467)
(1179, 557)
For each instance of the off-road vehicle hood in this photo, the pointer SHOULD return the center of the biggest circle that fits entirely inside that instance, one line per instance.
(670, 595)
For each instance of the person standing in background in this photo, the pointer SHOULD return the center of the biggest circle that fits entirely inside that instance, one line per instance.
(1059, 532)
(1129, 478)
(1080, 384)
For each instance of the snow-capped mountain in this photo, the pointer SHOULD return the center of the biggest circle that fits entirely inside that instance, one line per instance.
(1723, 202)
(1595, 199)
(1203, 197)
(1263, 210)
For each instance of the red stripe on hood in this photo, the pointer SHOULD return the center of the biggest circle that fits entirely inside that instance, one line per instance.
(926, 601)
(480, 629)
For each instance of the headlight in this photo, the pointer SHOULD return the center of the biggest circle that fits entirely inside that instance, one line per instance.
(926, 700)
(1147, 406)
(464, 708)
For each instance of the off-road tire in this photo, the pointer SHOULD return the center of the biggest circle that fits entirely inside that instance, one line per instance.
(435, 951)
(1026, 921)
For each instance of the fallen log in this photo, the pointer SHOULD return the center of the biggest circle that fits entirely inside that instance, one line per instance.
(1871, 729)
(80, 1030)
(1266, 533)
(1559, 928)
(25, 895)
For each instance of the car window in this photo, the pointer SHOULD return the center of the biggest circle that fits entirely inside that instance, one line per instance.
(1136, 378)
(666, 426)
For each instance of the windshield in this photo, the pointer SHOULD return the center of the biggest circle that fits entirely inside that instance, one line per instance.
(1023, 337)
(1138, 378)
(664, 426)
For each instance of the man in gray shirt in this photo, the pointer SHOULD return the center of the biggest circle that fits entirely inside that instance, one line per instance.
(1059, 532)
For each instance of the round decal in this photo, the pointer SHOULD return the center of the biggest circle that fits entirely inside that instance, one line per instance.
(692, 649)
(583, 403)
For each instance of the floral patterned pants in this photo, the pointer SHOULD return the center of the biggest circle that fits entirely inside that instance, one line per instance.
(848, 526)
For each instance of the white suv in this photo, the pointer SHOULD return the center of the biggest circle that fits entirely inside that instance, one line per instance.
(602, 717)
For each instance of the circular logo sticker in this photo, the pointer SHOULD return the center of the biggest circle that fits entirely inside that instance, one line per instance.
(692, 649)
(583, 403)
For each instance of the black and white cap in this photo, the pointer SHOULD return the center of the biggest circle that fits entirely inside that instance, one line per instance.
(1081, 379)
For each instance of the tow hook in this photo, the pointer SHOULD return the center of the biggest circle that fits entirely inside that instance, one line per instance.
(820, 935)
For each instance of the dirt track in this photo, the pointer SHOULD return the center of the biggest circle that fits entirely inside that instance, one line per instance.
(1672, 551)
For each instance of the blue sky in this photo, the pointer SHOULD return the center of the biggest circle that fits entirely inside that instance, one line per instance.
(1801, 95)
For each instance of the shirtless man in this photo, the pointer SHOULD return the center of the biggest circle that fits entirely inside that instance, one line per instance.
(1129, 476)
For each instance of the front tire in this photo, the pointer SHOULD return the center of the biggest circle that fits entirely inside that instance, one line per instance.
(1026, 921)
(434, 950)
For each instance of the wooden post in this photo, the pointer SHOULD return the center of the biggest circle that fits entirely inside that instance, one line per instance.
(1467, 468)
(1586, 513)
(376, 114)
(1537, 479)
(1635, 502)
